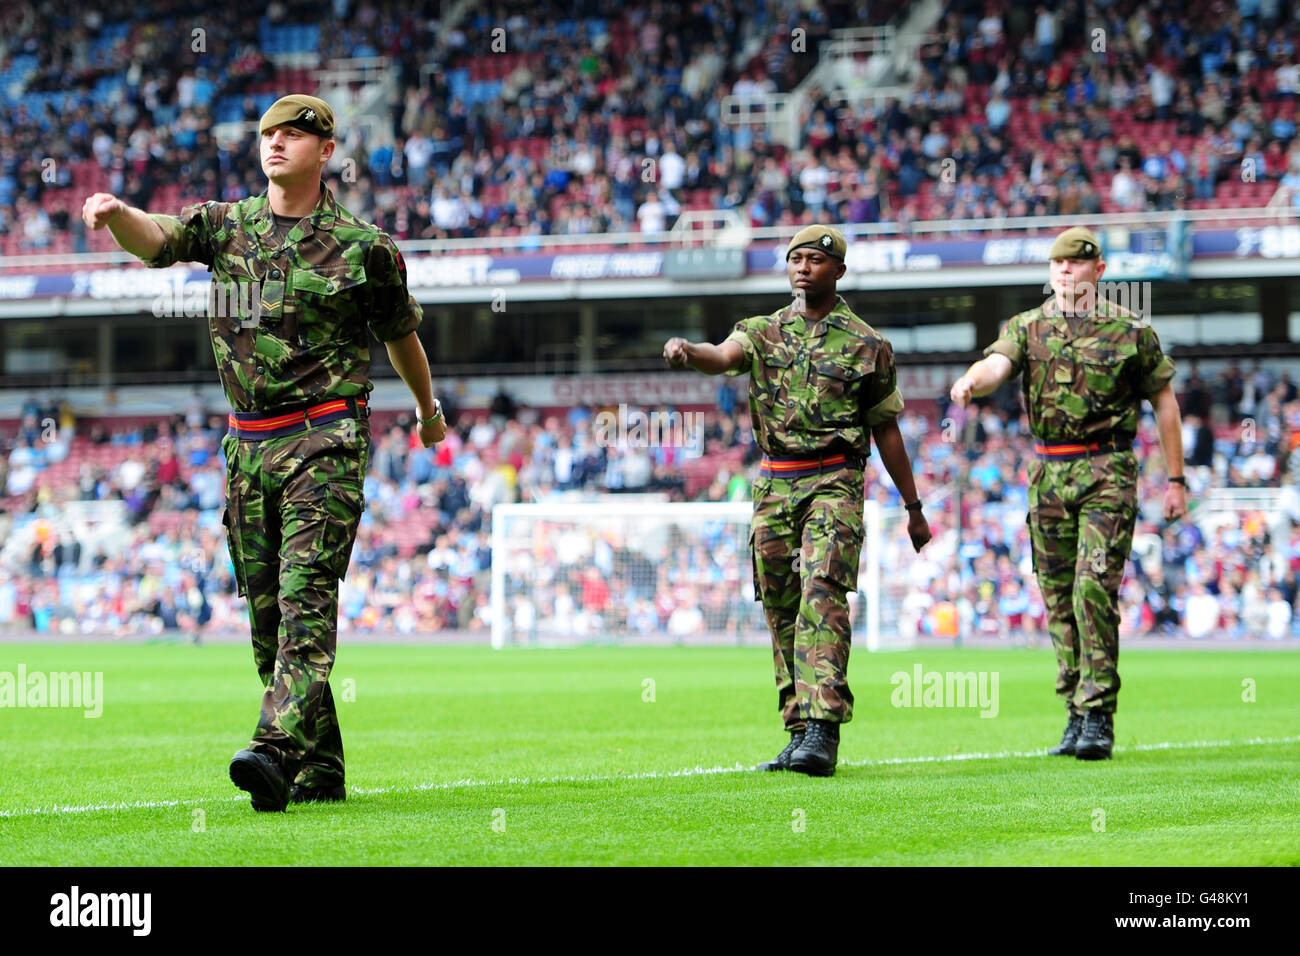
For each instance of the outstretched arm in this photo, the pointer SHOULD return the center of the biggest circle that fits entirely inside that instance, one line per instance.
(132, 228)
(703, 357)
(982, 378)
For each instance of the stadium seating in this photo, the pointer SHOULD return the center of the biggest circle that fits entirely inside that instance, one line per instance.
(568, 45)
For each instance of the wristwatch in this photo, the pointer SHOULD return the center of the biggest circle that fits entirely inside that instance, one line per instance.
(914, 506)
(437, 414)
(1179, 480)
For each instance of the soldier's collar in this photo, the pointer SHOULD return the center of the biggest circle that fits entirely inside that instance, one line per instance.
(323, 216)
(840, 316)
(327, 209)
(1062, 319)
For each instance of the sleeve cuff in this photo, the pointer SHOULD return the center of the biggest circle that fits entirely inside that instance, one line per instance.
(1010, 350)
(741, 339)
(1157, 380)
(408, 325)
(166, 256)
(887, 410)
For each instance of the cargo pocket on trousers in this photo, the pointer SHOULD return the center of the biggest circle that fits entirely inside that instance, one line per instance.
(841, 538)
(344, 502)
(236, 551)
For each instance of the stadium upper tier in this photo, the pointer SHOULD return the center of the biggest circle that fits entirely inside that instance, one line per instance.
(604, 118)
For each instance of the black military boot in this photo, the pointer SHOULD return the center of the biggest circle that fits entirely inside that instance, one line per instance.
(782, 760)
(304, 794)
(1097, 737)
(1070, 738)
(262, 778)
(816, 755)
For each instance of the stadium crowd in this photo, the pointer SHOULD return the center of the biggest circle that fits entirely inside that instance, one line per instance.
(1058, 109)
(1067, 108)
(423, 556)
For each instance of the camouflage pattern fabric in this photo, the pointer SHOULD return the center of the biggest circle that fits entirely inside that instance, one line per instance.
(288, 320)
(1081, 519)
(806, 539)
(293, 506)
(1083, 379)
(817, 386)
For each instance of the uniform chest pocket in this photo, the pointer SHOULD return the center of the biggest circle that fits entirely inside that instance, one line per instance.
(772, 385)
(1097, 375)
(324, 298)
(320, 285)
(1102, 371)
(836, 386)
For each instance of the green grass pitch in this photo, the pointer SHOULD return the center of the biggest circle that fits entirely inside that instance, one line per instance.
(462, 755)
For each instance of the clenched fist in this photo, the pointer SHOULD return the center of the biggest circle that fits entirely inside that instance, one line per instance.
(918, 529)
(962, 390)
(99, 209)
(677, 352)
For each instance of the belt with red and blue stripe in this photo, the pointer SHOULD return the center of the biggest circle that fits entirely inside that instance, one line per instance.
(802, 467)
(1076, 450)
(291, 419)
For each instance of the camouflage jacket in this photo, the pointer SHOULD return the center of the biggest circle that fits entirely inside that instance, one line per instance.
(1084, 378)
(818, 386)
(288, 321)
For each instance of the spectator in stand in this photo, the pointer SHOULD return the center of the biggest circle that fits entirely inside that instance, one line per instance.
(1125, 190)
(1201, 614)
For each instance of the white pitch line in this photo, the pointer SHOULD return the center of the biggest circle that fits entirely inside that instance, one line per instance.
(645, 775)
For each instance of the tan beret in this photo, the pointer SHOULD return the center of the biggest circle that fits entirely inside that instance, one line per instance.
(828, 240)
(1076, 243)
(308, 113)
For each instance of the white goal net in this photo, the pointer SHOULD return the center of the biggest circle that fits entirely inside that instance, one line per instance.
(628, 570)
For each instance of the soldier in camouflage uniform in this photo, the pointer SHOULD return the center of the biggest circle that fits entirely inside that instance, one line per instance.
(296, 281)
(822, 385)
(1086, 364)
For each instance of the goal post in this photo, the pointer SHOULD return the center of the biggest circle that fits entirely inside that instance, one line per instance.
(632, 570)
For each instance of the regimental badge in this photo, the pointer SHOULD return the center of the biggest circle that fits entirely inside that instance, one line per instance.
(827, 242)
(310, 115)
(1087, 248)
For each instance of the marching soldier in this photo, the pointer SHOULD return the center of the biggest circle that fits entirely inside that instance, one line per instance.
(1086, 364)
(822, 386)
(296, 370)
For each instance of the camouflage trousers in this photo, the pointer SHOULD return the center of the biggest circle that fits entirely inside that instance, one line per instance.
(806, 538)
(292, 509)
(1081, 519)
